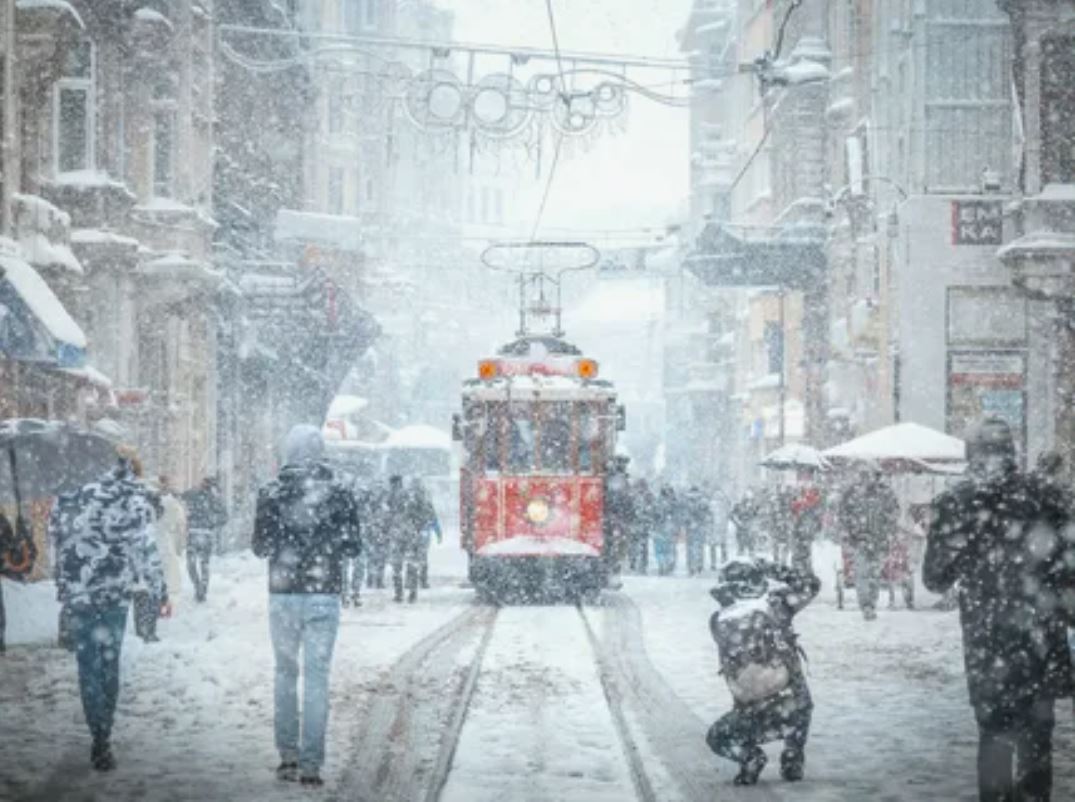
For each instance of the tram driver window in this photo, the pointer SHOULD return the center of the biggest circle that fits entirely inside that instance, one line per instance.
(520, 439)
(556, 456)
(491, 438)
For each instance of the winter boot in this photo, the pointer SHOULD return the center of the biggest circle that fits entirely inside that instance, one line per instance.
(397, 583)
(101, 755)
(423, 576)
(750, 768)
(792, 762)
(311, 779)
(412, 596)
(869, 613)
(287, 771)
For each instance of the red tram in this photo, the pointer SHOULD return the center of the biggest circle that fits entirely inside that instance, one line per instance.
(539, 428)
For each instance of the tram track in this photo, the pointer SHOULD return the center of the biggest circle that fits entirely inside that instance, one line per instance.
(410, 729)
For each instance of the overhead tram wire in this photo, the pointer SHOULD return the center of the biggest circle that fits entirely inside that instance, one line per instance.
(560, 135)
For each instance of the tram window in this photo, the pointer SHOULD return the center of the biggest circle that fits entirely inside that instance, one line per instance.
(491, 438)
(556, 456)
(589, 438)
(473, 431)
(520, 439)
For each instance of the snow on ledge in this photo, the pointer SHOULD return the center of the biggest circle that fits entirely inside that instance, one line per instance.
(96, 236)
(151, 16)
(42, 301)
(40, 251)
(529, 546)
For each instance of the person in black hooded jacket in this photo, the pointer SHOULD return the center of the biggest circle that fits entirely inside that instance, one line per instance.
(306, 524)
(1005, 537)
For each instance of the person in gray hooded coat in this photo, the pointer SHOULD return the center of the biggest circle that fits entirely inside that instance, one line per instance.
(306, 524)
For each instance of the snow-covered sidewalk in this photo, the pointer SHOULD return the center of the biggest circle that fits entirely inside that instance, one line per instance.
(891, 716)
(195, 713)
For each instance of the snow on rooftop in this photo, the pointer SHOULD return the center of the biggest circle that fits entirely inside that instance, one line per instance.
(40, 251)
(42, 301)
(330, 229)
(89, 178)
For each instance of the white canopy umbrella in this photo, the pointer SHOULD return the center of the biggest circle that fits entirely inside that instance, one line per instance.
(904, 446)
(795, 456)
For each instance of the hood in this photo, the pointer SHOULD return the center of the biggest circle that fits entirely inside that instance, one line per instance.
(304, 444)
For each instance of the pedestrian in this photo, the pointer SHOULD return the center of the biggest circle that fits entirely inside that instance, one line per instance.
(17, 556)
(206, 516)
(718, 533)
(618, 519)
(170, 533)
(745, 517)
(760, 661)
(103, 552)
(776, 520)
(1004, 536)
(353, 568)
(404, 539)
(697, 523)
(305, 524)
(806, 516)
(425, 518)
(669, 518)
(378, 539)
(643, 525)
(869, 512)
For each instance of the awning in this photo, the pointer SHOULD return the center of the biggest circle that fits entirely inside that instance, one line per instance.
(34, 325)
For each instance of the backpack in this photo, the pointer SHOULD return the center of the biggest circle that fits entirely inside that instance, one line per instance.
(754, 649)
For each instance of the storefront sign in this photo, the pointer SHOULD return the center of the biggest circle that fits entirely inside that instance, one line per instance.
(983, 383)
(977, 222)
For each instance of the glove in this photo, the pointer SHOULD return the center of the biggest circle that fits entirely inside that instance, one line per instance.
(166, 610)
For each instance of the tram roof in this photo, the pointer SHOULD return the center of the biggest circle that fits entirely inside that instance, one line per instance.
(538, 345)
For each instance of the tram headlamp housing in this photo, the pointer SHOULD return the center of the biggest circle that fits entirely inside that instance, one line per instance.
(586, 368)
(537, 511)
(488, 369)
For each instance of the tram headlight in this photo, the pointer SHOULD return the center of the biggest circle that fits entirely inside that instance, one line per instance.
(537, 511)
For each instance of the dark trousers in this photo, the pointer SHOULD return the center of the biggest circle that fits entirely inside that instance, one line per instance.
(146, 609)
(1015, 752)
(638, 552)
(353, 571)
(405, 569)
(695, 553)
(738, 735)
(98, 637)
(199, 550)
(3, 621)
(378, 557)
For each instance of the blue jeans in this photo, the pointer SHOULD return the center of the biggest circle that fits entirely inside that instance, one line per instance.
(308, 621)
(98, 637)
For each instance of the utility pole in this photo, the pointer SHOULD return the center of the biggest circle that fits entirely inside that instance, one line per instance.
(782, 385)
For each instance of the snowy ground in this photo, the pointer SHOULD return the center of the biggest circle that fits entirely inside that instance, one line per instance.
(195, 716)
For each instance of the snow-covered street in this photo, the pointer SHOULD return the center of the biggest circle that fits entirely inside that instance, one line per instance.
(195, 715)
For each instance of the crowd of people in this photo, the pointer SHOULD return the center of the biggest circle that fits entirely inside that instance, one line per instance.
(999, 542)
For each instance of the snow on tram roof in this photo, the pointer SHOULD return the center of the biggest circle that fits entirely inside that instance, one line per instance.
(532, 387)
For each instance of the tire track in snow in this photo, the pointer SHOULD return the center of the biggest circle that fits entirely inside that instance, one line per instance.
(672, 729)
(404, 723)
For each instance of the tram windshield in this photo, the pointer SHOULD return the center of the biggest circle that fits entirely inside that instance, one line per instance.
(560, 437)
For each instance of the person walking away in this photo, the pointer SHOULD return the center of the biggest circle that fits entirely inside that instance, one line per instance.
(354, 568)
(718, 536)
(760, 660)
(745, 517)
(667, 531)
(170, 533)
(806, 516)
(775, 516)
(643, 525)
(206, 515)
(378, 539)
(698, 522)
(404, 539)
(618, 519)
(869, 512)
(102, 552)
(425, 517)
(1004, 537)
(305, 524)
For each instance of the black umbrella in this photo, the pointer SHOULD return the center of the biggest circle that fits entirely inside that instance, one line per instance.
(46, 458)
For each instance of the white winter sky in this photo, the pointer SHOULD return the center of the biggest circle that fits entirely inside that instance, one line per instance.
(635, 178)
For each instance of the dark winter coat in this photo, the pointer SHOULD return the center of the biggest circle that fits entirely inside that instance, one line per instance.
(1007, 542)
(869, 512)
(619, 506)
(789, 591)
(104, 542)
(697, 516)
(306, 523)
(405, 522)
(205, 509)
(645, 513)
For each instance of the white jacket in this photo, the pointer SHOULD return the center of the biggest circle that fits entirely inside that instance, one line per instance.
(171, 532)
